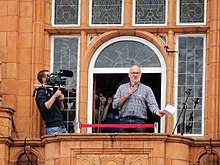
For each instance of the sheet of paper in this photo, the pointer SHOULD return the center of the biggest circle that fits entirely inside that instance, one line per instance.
(169, 109)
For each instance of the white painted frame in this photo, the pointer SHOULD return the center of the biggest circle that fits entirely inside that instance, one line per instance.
(189, 24)
(104, 25)
(204, 75)
(67, 25)
(93, 70)
(133, 16)
(78, 68)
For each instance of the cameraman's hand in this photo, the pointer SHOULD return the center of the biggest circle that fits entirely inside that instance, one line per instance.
(58, 93)
(61, 97)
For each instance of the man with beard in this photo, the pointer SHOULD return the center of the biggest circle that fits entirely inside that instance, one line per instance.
(132, 99)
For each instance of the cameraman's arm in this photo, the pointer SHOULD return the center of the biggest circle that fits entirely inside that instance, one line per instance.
(50, 102)
(61, 98)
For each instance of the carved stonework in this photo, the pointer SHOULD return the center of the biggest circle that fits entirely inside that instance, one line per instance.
(117, 159)
(91, 38)
(124, 156)
(6, 121)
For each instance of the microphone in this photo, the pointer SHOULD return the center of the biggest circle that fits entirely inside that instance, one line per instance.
(132, 84)
(196, 101)
(188, 91)
(66, 73)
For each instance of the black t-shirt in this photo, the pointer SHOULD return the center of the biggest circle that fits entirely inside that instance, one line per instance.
(52, 117)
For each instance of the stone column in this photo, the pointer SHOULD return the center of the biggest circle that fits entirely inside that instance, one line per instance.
(39, 57)
(82, 111)
(127, 13)
(170, 80)
(212, 113)
(171, 20)
(84, 15)
(6, 121)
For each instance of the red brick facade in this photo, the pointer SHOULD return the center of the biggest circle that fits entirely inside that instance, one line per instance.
(25, 49)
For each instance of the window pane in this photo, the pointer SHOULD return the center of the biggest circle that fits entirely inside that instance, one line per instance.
(150, 12)
(209, 159)
(191, 11)
(125, 54)
(106, 11)
(66, 12)
(65, 58)
(190, 75)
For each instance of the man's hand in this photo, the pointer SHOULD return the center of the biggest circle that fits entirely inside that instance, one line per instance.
(61, 97)
(58, 93)
(130, 91)
(159, 113)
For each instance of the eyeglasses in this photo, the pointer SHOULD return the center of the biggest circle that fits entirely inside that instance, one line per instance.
(133, 73)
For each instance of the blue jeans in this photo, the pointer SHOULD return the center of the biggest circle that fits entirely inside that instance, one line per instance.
(55, 130)
(131, 121)
(111, 121)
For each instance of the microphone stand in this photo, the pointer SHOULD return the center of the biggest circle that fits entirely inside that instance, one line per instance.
(190, 124)
(196, 101)
(99, 114)
(183, 110)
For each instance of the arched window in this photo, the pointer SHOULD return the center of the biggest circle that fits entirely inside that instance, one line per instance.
(125, 54)
(25, 159)
(209, 159)
(112, 61)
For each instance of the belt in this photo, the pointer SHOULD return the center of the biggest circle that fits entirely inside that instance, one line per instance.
(62, 126)
(132, 118)
(112, 116)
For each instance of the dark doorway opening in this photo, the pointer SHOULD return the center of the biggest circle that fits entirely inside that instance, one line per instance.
(107, 84)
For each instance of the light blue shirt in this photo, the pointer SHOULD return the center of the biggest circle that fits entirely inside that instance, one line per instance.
(136, 105)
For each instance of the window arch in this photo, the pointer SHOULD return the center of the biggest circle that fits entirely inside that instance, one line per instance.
(209, 159)
(29, 158)
(117, 55)
(126, 53)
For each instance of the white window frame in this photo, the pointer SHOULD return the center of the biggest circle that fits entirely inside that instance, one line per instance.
(78, 69)
(133, 16)
(104, 25)
(67, 25)
(93, 71)
(190, 23)
(204, 75)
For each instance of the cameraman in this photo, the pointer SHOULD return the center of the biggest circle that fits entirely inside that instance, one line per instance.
(50, 105)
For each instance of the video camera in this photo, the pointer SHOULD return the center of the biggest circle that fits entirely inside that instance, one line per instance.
(55, 80)
(58, 78)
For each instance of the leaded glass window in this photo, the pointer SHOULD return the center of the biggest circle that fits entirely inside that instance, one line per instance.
(125, 54)
(66, 12)
(190, 79)
(65, 57)
(209, 158)
(107, 12)
(150, 12)
(191, 11)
